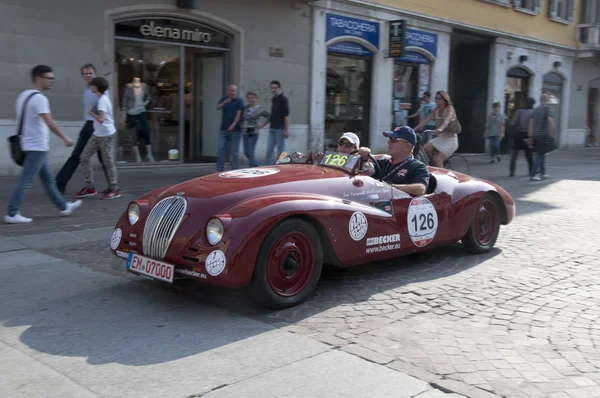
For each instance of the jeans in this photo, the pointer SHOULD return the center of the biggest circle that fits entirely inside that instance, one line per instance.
(539, 163)
(275, 138)
(106, 146)
(494, 146)
(66, 173)
(518, 145)
(249, 147)
(232, 138)
(36, 164)
(132, 119)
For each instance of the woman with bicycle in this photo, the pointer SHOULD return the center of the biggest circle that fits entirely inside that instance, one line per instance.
(446, 129)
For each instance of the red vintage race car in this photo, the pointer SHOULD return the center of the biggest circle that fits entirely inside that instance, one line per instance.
(272, 228)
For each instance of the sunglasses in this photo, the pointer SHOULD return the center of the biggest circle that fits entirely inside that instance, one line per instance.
(438, 98)
(394, 140)
(346, 144)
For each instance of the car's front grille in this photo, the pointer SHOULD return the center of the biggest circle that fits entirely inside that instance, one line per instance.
(161, 225)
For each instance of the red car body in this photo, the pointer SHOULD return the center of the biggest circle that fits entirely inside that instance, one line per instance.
(357, 220)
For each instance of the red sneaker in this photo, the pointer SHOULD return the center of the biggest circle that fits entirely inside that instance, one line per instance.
(111, 195)
(86, 192)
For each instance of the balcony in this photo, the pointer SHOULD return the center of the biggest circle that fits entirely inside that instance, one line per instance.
(588, 36)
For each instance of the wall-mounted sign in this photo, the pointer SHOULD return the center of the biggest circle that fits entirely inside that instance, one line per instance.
(424, 43)
(397, 39)
(173, 31)
(354, 31)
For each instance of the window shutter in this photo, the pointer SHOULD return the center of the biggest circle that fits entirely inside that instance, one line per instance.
(570, 6)
(552, 8)
(537, 5)
(517, 3)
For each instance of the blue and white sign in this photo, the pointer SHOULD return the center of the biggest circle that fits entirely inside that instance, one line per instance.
(425, 42)
(340, 27)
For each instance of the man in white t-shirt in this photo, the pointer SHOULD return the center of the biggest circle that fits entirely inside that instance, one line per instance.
(37, 121)
(104, 139)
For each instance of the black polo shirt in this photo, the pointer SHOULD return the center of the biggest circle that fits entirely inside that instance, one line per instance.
(409, 171)
(279, 110)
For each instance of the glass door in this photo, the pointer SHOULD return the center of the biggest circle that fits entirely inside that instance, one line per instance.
(147, 106)
(347, 98)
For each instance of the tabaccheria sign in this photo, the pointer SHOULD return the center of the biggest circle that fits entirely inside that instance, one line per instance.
(195, 35)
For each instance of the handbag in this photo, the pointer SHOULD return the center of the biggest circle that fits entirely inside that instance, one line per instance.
(453, 126)
(544, 144)
(16, 151)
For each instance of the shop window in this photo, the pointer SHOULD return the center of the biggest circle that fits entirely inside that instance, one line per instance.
(347, 100)
(405, 94)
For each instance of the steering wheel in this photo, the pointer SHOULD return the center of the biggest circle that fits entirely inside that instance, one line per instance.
(374, 162)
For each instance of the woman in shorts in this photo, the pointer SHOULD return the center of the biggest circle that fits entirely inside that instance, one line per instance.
(446, 129)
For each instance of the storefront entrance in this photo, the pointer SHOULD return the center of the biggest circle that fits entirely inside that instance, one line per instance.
(347, 98)
(168, 77)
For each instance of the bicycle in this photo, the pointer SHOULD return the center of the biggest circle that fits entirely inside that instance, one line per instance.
(455, 162)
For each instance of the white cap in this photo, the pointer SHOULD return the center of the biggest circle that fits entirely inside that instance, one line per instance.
(353, 138)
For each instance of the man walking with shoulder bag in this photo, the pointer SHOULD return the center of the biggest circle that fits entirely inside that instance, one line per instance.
(518, 131)
(33, 108)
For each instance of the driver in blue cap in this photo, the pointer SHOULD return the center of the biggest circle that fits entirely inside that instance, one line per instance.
(399, 168)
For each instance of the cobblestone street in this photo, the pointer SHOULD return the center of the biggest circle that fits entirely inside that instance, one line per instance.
(520, 321)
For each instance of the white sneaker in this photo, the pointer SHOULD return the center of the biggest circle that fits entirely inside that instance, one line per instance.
(536, 178)
(17, 219)
(71, 207)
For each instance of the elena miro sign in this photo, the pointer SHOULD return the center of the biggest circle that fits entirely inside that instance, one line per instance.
(172, 30)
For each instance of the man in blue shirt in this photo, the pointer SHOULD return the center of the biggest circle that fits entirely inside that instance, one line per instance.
(231, 128)
(88, 72)
(280, 122)
(426, 109)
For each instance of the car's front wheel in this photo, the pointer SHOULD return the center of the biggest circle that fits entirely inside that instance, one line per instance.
(288, 266)
(485, 226)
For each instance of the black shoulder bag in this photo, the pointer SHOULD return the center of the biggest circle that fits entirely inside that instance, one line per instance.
(15, 140)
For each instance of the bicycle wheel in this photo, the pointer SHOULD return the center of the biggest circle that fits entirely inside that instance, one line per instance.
(458, 163)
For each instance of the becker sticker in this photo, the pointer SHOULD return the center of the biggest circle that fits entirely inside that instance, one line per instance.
(116, 238)
(249, 173)
(383, 243)
(358, 226)
(422, 221)
(215, 263)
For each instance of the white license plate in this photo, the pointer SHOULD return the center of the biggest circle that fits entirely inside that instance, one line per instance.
(149, 267)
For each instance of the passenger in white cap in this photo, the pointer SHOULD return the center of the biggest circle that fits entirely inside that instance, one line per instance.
(348, 143)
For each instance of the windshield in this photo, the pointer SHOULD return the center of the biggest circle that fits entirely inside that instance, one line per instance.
(336, 160)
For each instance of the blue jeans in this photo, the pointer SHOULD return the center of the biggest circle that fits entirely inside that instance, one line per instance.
(275, 138)
(232, 138)
(132, 119)
(36, 164)
(494, 146)
(249, 147)
(539, 163)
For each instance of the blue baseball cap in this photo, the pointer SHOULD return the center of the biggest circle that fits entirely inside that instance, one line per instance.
(404, 133)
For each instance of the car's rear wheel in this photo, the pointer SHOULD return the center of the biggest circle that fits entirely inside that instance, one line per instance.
(485, 227)
(288, 266)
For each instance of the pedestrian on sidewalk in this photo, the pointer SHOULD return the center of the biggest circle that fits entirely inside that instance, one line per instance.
(519, 126)
(103, 139)
(33, 111)
(231, 129)
(280, 122)
(88, 72)
(253, 112)
(541, 130)
(494, 131)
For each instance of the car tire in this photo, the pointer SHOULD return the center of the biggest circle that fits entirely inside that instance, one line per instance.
(288, 266)
(485, 226)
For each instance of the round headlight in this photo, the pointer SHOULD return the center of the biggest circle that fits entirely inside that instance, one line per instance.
(134, 213)
(214, 231)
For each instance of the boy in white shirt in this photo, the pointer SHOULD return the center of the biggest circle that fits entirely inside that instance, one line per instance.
(104, 138)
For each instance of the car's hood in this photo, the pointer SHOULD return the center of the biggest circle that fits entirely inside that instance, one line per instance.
(259, 181)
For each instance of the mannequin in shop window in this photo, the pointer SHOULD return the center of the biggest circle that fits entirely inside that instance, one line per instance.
(135, 100)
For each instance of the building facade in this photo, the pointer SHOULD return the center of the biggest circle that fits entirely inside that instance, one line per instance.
(480, 51)
(337, 61)
(185, 52)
